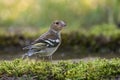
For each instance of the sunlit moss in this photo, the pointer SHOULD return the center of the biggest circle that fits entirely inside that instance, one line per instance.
(97, 69)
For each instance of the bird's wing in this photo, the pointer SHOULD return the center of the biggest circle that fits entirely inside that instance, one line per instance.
(51, 40)
(39, 45)
(44, 41)
(40, 39)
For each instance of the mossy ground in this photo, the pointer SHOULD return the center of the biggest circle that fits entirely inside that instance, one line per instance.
(98, 69)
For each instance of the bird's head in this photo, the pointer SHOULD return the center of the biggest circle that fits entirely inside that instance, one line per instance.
(58, 25)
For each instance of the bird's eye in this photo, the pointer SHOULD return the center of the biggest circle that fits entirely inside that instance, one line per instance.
(57, 23)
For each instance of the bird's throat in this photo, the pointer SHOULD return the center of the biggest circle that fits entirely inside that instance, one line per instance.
(54, 31)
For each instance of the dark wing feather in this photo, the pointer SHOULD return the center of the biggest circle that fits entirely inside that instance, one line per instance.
(36, 46)
(40, 39)
(45, 40)
(38, 43)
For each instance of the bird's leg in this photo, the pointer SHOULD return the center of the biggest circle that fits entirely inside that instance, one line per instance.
(36, 60)
(43, 59)
(24, 56)
(50, 57)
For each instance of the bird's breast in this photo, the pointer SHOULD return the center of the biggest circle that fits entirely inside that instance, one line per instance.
(48, 51)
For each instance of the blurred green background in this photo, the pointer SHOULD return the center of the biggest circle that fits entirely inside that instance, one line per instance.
(92, 25)
(40, 13)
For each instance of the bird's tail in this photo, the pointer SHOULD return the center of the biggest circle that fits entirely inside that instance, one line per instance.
(28, 54)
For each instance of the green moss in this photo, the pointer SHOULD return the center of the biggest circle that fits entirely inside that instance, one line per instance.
(92, 70)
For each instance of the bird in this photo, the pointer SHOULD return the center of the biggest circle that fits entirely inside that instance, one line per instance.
(48, 42)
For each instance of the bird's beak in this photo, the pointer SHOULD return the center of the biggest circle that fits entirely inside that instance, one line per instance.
(63, 24)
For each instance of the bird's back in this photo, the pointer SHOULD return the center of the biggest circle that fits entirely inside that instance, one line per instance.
(49, 37)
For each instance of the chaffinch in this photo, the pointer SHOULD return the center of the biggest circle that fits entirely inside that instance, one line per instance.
(47, 43)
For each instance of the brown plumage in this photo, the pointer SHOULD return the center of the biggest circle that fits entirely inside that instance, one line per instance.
(47, 43)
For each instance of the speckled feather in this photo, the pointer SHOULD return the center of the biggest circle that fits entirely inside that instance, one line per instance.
(47, 43)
